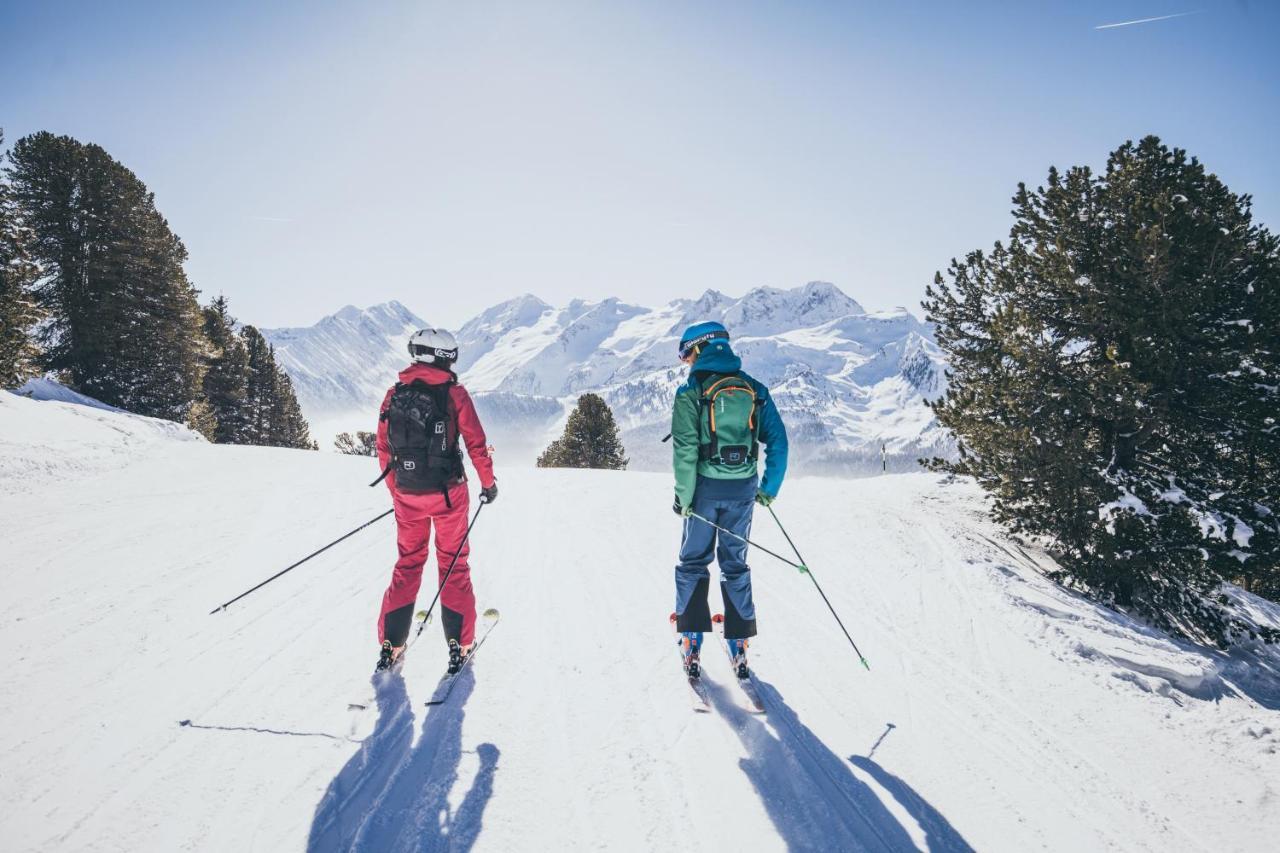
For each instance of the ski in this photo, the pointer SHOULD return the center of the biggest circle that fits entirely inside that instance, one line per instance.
(445, 687)
(701, 701)
(748, 684)
(423, 618)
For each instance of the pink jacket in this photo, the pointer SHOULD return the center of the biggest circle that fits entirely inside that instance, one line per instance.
(468, 422)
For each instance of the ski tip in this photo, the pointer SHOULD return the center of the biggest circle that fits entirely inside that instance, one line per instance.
(218, 609)
(356, 706)
(184, 722)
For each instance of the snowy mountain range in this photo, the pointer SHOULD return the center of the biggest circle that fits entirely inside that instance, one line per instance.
(846, 380)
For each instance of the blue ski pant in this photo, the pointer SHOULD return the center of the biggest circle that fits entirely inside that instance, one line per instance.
(699, 544)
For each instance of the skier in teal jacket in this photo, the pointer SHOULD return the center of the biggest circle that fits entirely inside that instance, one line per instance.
(720, 420)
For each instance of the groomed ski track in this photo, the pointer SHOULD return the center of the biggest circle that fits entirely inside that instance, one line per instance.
(1001, 713)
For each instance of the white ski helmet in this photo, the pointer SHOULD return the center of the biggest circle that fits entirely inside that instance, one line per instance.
(433, 346)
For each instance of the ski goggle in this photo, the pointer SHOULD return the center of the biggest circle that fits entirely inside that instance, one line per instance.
(443, 354)
(691, 344)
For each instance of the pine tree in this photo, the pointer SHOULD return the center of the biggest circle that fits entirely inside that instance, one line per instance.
(1115, 379)
(260, 387)
(363, 443)
(201, 419)
(19, 312)
(590, 439)
(226, 378)
(272, 414)
(288, 426)
(124, 324)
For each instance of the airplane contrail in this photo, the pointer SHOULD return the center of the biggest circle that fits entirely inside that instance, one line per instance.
(1143, 21)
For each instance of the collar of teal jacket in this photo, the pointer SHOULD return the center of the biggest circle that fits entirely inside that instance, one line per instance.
(715, 357)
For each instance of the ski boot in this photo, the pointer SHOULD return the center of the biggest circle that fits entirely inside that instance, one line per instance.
(738, 658)
(691, 647)
(389, 657)
(456, 657)
(690, 643)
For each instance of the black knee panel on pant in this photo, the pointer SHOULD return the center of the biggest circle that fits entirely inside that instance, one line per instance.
(452, 622)
(735, 627)
(697, 615)
(395, 625)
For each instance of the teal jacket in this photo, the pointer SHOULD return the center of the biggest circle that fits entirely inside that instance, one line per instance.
(717, 357)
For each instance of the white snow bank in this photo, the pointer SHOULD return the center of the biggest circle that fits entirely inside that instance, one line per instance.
(47, 389)
(56, 433)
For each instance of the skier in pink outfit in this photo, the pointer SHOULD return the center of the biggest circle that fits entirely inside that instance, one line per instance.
(421, 419)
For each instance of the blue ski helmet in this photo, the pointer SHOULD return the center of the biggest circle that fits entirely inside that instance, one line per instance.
(699, 334)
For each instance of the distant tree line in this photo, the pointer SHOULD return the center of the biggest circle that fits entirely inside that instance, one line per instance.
(92, 289)
(1115, 386)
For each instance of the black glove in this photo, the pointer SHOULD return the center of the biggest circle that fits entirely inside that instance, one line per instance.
(489, 494)
(681, 511)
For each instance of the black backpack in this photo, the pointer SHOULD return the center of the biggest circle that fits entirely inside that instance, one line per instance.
(422, 430)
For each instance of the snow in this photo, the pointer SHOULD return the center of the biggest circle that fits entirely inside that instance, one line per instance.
(1127, 501)
(51, 434)
(1000, 712)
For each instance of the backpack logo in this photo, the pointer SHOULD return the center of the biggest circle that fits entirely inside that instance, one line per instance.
(439, 427)
(410, 465)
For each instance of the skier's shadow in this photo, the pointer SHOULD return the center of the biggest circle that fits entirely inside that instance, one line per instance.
(394, 794)
(811, 795)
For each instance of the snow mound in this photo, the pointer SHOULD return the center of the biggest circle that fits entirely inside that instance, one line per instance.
(49, 433)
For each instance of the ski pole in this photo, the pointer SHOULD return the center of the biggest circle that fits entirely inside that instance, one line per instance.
(452, 563)
(803, 568)
(819, 588)
(300, 562)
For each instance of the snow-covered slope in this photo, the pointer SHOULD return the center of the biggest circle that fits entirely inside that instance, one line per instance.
(342, 365)
(49, 432)
(1000, 712)
(846, 380)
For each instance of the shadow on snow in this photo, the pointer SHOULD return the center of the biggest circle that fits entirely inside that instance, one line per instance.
(394, 794)
(811, 795)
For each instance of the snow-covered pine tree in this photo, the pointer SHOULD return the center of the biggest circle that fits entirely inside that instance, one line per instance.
(226, 378)
(1115, 380)
(260, 388)
(272, 414)
(362, 443)
(19, 311)
(590, 439)
(288, 426)
(123, 319)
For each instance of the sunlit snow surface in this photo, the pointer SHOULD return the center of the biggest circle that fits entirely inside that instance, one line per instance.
(1000, 712)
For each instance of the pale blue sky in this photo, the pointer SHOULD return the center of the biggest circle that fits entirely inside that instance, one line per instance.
(454, 154)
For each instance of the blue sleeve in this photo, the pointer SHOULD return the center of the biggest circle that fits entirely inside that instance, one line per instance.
(773, 435)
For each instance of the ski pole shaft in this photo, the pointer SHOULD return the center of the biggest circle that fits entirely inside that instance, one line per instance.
(818, 587)
(300, 562)
(454, 561)
(803, 568)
